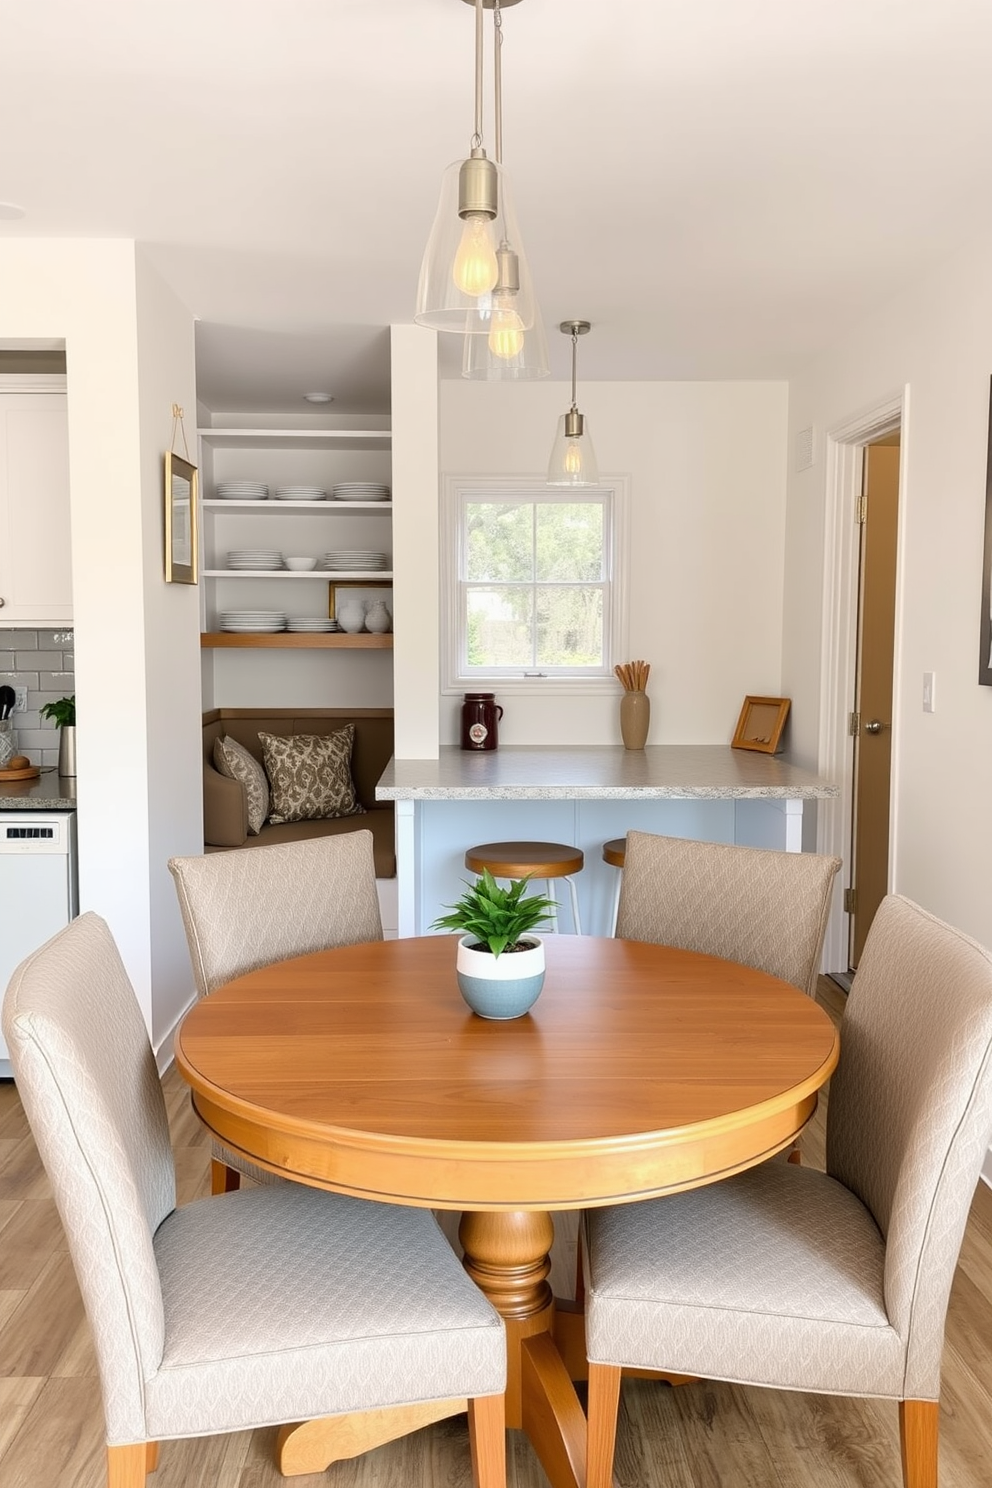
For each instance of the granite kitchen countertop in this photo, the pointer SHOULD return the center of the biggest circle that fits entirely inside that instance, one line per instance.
(48, 791)
(599, 773)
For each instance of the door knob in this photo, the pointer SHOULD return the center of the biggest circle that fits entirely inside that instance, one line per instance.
(874, 726)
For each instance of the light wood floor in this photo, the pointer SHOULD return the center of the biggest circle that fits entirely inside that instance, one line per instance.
(703, 1435)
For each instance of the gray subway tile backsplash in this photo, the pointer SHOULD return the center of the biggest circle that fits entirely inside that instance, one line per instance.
(43, 662)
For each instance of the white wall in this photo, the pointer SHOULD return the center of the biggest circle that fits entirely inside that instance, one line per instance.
(128, 357)
(706, 463)
(172, 706)
(414, 400)
(936, 339)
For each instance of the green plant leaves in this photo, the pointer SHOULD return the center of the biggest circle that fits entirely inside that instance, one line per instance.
(497, 916)
(62, 712)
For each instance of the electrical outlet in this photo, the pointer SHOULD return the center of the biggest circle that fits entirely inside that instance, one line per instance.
(20, 700)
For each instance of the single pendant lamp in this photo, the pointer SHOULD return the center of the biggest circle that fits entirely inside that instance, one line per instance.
(573, 459)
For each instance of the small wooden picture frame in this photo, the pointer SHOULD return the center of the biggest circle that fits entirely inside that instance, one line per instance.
(180, 520)
(761, 723)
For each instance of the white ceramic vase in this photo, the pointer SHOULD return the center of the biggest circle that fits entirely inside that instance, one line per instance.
(378, 618)
(351, 616)
(504, 986)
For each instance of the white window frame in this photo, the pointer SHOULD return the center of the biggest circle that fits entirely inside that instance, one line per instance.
(456, 489)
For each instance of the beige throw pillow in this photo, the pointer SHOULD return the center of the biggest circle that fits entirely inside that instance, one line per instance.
(238, 763)
(310, 775)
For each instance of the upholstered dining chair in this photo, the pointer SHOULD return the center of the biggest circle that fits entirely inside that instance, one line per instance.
(833, 1281)
(752, 905)
(255, 905)
(252, 1308)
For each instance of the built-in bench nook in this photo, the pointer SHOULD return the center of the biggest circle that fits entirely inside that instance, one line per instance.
(225, 800)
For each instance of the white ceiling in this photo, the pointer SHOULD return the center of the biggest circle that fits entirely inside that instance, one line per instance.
(720, 186)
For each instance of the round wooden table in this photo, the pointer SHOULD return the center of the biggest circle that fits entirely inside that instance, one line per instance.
(640, 1071)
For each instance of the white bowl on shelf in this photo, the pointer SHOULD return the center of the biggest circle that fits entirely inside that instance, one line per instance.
(299, 565)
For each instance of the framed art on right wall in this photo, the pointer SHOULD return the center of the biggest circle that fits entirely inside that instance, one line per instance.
(761, 723)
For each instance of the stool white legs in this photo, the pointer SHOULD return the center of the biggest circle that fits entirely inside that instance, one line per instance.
(573, 894)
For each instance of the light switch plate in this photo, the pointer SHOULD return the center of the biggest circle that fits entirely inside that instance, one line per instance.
(928, 692)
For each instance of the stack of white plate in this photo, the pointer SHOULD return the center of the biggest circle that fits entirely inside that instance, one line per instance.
(242, 491)
(252, 620)
(356, 559)
(360, 491)
(311, 623)
(256, 560)
(299, 493)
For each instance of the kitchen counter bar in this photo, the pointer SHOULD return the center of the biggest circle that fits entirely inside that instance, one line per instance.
(600, 773)
(583, 795)
(48, 791)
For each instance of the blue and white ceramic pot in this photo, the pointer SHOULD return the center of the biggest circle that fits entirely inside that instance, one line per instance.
(504, 986)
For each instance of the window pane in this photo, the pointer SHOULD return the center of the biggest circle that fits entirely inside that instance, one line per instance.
(499, 541)
(570, 541)
(499, 627)
(570, 626)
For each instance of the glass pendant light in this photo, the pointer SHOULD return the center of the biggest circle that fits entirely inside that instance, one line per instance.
(573, 460)
(511, 351)
(472, 281)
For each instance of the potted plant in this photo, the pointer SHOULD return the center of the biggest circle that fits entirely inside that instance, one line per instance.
(63, 714)
(500, 961)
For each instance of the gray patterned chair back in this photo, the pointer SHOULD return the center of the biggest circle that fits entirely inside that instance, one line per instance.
(760, 908)
(86, 1076)
(252, 906)
(910, 1115)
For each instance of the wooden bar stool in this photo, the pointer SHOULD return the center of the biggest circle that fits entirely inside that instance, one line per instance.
(614, 853)
(547, 860)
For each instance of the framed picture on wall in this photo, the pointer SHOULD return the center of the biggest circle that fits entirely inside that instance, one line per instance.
(761, 723)
(180, 520)
(985, 626)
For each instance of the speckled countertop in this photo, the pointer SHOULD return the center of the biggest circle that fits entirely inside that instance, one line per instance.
(599, 773)
(49, 791)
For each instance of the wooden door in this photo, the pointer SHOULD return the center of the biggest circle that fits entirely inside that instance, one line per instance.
(872, 716)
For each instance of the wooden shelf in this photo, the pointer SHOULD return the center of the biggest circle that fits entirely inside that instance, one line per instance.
(314, 641)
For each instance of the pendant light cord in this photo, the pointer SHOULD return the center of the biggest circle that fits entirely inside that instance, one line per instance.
(498, 78)
(575, 347)
(477, 136)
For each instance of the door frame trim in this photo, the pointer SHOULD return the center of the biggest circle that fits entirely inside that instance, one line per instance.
(845, 444)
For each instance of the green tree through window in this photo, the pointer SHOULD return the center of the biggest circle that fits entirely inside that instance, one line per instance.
(534, 583)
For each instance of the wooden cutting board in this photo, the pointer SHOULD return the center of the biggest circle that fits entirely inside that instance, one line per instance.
(29, 773)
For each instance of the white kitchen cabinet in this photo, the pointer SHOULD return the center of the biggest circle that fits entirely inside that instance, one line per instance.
(321, 458)
(35, 545)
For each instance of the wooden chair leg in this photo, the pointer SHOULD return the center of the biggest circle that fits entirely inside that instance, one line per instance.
(126, 1466)
(604, 1403)
(222, 1178)
(487, 1435)
(918, 1430)
(152, 1459)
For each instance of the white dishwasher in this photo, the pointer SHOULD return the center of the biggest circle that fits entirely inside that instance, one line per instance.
(38, 894)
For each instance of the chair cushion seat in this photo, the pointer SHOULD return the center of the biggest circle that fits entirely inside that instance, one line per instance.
(295, 1305)
(688, 1282)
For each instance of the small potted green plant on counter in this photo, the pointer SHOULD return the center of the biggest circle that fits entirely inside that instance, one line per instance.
(63, 714)
(500, 961)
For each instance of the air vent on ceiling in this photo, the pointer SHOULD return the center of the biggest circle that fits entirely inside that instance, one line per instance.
(804, 448)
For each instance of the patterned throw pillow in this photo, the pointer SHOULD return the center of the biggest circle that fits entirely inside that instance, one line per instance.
(310, 775)
(237, 763)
